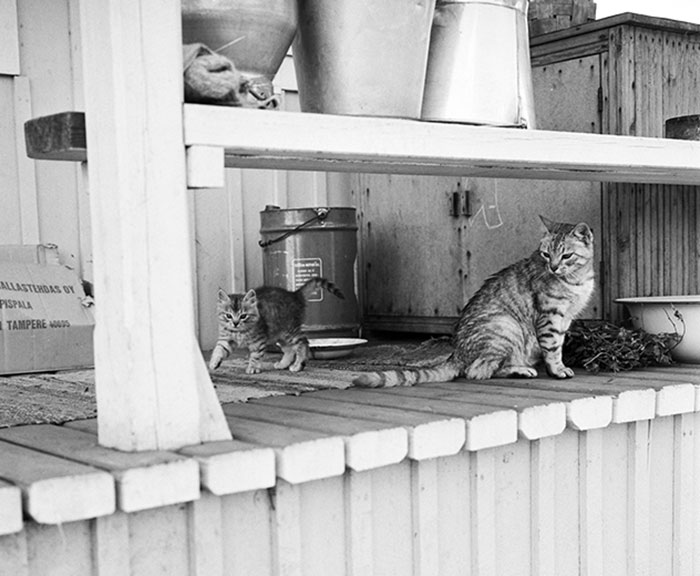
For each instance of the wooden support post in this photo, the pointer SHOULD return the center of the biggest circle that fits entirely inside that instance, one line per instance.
(153, 389)
(542, 496)
(591, 502)
(426, 522)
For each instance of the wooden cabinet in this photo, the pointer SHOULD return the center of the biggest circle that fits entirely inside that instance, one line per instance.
(649, 72)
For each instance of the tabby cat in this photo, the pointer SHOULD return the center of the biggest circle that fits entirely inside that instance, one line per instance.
(266, 315)
(518, 317)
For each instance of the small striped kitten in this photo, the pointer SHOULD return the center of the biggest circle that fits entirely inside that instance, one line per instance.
(518, 317)
(266, 315)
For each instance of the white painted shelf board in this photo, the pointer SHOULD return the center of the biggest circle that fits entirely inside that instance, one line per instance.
(303, 141)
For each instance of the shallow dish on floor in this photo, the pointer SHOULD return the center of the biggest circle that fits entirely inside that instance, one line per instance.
(328, 348)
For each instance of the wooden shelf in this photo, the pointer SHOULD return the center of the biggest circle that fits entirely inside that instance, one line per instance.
(296, 141)
(299, 141)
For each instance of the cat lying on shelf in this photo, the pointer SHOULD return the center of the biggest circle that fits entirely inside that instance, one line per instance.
(518, 317)
(266, 315)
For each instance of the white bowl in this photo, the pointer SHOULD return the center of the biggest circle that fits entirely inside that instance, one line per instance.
(679, 314)
(327, 348)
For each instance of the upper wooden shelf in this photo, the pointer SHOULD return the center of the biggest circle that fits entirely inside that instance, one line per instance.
(296, 141)
(301, 141)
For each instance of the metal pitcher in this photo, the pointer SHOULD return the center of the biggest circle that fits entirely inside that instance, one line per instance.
(479, 64)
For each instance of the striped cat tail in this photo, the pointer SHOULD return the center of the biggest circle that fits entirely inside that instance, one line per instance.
(388, 379)
(317, 282)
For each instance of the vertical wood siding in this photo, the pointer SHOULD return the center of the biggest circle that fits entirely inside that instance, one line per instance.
(652, 238)
(618, 500)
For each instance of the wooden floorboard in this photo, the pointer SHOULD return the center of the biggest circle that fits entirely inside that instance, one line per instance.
(304, 427)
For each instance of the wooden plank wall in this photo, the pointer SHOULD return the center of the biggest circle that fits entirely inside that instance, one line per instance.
(653, 242)
(617, 500)
(48, 202)
(54, 202)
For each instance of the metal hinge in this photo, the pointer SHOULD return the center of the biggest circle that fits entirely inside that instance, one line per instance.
(459, 202)
(600, 99)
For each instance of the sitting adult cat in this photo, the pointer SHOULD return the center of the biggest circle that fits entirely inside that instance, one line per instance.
(518, 317)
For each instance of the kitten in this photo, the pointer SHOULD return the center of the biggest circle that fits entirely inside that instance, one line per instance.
(518, 317)
(266, 315)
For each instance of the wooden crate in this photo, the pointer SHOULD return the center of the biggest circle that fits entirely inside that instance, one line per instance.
(550, 15)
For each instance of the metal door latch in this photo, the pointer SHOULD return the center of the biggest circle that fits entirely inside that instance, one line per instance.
(459, 202)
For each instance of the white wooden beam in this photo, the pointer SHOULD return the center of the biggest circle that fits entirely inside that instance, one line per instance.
(429, 436)
(205, 542)
(300, 455)
(205, 167)
(9, 38)
(295, 141)
(486, 426)
(538, 416)
(26, 173)
(367, 444)
(152, 387)
(10, 509)
(55, 490)
(143, 480)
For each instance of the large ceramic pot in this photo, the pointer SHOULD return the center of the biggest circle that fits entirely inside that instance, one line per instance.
(254, 34)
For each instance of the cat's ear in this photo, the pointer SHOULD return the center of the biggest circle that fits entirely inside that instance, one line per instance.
(223, 297)
(583, 231)
(250, 297)
(548, 224)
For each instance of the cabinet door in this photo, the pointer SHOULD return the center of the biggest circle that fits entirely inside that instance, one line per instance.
(411, 267)
(420, 263)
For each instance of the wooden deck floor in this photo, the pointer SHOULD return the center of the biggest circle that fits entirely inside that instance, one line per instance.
(494, 477)
(307, 427)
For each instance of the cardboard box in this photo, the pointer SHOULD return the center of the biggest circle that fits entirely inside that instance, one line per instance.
(45, 324)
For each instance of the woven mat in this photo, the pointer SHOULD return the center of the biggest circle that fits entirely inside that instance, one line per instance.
(47, 398)
(64, 396)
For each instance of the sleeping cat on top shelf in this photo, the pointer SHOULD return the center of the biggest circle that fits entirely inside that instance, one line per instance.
(266, 315)
(518, 317)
